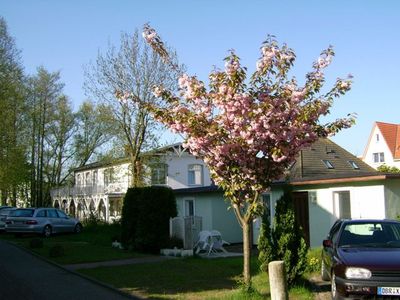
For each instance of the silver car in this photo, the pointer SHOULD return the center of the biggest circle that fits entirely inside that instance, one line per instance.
(45, 221)
(4, 212)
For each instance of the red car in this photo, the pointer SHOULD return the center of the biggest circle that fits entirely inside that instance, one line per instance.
(361, 258)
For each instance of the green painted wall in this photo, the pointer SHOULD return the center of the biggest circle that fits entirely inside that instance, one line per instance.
(215, 214)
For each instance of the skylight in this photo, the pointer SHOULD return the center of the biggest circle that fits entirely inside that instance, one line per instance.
(353, 165)
(328, 164)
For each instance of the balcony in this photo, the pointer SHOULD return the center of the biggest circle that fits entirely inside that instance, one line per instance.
(112, 188)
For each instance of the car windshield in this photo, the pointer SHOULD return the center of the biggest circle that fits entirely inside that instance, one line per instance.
(370, 234)
(22, 213)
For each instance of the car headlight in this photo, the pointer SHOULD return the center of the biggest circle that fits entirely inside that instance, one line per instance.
(357, 273)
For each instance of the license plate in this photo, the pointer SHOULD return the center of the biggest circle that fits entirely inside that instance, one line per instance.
(389, 291)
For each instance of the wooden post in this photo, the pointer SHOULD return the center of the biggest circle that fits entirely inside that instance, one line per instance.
(277, 280)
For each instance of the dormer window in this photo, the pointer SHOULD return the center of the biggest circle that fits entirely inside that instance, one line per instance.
(353, 165)
(328, 164)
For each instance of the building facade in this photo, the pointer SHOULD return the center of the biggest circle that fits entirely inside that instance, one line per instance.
(383, 147)
(100, 187)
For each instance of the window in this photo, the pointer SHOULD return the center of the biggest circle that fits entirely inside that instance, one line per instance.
(51, 213)
(88, 180)
(95, 178)
(342, 204)
(378, 157)
(195, 175)
(377, 137)
(109, 176)
(159, 174)
(78, 180)
(41, 214)
(328, 164)
(61, 214)
(353, 165)
(189, 208)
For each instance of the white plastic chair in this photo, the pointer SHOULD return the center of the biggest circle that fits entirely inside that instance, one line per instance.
(210, 241)
(217, 243)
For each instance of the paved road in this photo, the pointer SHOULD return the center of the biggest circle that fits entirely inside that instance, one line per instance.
(24, 276)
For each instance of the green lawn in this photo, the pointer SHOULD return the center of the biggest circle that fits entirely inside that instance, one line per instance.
(91, 245)
(190, 278)
(184, 278)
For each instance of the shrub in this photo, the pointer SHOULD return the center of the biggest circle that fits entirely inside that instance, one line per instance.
(56, 251)
(36, 243)
(145, 218)
(286, 241)
(265, 254)
(93, 221)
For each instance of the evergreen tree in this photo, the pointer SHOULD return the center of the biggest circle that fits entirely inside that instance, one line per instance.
(285, 241)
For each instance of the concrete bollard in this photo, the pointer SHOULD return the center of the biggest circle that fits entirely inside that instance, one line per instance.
(277, 280)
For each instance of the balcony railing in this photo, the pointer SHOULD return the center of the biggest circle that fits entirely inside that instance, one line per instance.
(112, 188)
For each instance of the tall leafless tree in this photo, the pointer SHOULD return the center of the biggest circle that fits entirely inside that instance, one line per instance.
(132, 68)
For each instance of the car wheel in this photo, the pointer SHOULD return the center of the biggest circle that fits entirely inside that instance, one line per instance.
(47, 231)
(324, 272)
(78, 228)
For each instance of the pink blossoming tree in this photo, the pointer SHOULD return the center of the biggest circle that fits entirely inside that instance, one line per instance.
(249, 130)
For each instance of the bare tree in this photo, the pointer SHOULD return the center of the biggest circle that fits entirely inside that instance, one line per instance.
(135, 69)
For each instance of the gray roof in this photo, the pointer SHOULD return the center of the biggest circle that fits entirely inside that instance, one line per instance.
(310, 164)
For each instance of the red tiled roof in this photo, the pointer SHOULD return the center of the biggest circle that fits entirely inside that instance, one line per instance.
(391, 134)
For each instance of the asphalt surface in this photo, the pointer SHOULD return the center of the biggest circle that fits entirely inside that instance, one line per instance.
(25, 276)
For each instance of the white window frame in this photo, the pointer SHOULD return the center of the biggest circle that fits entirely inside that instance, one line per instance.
(157, 168)
(192, 169)
(337, 205)
(185, 212)
(378, 157)
(95, 177)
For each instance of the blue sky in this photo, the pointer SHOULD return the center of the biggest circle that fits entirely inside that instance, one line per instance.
(65, 35)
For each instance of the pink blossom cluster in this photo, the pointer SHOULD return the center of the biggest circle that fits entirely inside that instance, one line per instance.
(249, 133)
(231, 67)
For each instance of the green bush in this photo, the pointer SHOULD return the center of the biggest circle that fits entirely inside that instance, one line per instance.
(129, 216)
(145, 218)
(285, 241)
(56, 251)
(93, 221)
(36, 243)
(265, 254)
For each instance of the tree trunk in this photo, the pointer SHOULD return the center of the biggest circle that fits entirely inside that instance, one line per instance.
(246, 253)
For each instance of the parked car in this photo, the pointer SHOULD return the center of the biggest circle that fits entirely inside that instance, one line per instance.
(45, 221)
(361, 258)
(4, 212)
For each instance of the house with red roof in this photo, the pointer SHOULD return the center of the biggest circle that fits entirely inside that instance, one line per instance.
(383, 145)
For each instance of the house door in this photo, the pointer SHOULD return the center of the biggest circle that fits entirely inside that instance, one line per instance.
(300, 205)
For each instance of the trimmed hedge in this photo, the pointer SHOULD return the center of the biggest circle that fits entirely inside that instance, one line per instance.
(145, 218)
